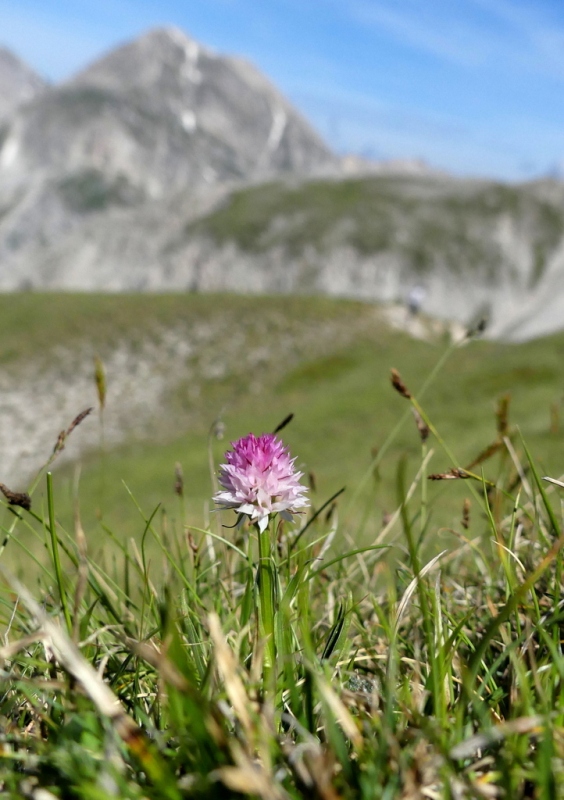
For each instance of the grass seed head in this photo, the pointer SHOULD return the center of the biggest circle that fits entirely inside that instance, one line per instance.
(502, 414)
(78, 419)
(178, 480)
(399, 385)
(466, 514)
(21, 499)
(100, 380)
(422, 426)
(451, 475)
(60, 443)
(63, 436)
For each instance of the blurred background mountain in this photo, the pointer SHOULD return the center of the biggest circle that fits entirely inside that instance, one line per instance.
(164, 166)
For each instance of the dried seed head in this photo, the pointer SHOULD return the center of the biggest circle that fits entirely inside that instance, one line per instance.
(466, 514)
(60, 443)
(312, 481)
(422, 426)
(502, 414)
(78, 419)
(399, 385)
(192, 543)
(178, 480)
(452, 475)
(62, 437)
(21, 499)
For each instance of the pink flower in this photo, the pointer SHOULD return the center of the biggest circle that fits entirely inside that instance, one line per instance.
(259, 479)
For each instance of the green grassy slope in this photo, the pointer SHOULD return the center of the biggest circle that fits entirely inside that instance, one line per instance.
(421, 220)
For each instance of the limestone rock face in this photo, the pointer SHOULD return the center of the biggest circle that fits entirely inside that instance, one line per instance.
(158, 128)
(159, 115)
(18, 84)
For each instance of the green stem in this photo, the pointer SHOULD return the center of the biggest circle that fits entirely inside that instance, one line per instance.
(55, 549)
(266, 603)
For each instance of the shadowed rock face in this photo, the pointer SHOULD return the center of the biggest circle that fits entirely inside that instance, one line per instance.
(18, 84)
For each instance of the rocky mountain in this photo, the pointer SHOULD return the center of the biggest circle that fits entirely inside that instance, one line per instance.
(18, 84)
(161, 120)
(165, 166)
(159, 115)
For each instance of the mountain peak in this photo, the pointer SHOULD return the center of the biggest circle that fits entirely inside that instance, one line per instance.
(18, 83)
(158, 115)
(142, 62)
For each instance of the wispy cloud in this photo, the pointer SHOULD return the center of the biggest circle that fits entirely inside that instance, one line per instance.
(510, 36)
(426, 27)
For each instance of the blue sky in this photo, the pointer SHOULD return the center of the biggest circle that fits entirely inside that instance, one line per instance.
(470, 86)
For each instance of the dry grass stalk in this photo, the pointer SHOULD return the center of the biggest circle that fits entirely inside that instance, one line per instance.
(70, 658)
(522, 725)
(341, 712)
(13, 648)
(164, 666)
(227, 667)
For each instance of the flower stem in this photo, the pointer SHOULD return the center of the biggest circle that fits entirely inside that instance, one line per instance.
(266, 604)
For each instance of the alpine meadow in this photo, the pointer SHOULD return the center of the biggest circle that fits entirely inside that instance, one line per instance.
(282, 439)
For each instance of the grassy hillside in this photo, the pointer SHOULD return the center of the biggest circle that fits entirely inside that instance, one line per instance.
(335, 660)
(423, 220)
(339, 390)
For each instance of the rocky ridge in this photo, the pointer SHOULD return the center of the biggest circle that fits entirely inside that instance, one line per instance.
(19, 84)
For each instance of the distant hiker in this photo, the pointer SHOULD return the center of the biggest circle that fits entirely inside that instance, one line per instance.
(415, 298)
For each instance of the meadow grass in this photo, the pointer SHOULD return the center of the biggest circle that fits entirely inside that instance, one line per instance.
(342, 400)
(384, 662)
(344, 411)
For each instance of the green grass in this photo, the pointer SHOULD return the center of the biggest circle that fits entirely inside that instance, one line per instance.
(344, 410)
(320, 664)
(343, 403)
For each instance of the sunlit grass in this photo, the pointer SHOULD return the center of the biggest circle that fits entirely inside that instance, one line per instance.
(402, 660)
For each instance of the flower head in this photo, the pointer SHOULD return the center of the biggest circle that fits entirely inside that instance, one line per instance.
(259, 479)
